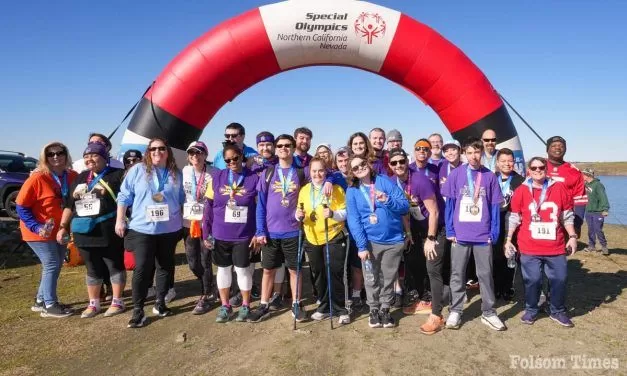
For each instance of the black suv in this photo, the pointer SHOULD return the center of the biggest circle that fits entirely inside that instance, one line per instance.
(15, 168)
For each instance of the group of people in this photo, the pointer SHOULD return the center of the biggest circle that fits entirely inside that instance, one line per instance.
(410, 228)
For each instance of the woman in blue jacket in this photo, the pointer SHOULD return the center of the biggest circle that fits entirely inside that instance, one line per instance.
(375, 209)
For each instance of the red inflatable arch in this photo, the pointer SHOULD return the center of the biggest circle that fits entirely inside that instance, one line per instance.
(274, 38)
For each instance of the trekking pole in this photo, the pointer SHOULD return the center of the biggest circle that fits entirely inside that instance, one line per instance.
(326, 238)
(347, 302)
(298, 255)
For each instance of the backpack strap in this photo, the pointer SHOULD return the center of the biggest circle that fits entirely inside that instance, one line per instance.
(301, 176)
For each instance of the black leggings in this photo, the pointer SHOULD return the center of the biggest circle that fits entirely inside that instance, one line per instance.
(439, 270)
(152, 251)
(416, 276)
(199, 261)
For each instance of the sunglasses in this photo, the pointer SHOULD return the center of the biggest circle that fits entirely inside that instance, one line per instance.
(230, 135)
(281, 146)
(194, 152)
(489, 140)
(132, 160)
(537, 168)
(229, 160)
(52, 154)
(400, 161)
(422, 148)
(159, 148)
(360, 166)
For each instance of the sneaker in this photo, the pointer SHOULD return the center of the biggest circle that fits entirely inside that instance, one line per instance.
(589, 249)
(398, 301)
(357, 304)
(422, 307)
(56, 310)
(471, 284)
(255, 292)
(89, 312)
(562, 319)
(202, 306)
(259, 314)
(114, 309)
(276, 302)
(37, 306)
(433, 325)
(386, 319)
(242, 314)
(151, 293)
(319, 316)
(170, 295)
(454, 320)
(605, 251)
(344, 320)
(374, 321)
(528, 318)
(493, 322)
(236, 300)
(542, 299)
(138, 319)
(161, 310)
(224, 314)
(509, 295)
(299, 312)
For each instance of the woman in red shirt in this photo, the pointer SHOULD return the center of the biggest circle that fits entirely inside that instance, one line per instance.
(543, 210)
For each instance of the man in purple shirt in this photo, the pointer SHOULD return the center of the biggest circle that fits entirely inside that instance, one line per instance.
(265, 148)
(436, 141)
(302, 137)
(473, 201)
(422, 153)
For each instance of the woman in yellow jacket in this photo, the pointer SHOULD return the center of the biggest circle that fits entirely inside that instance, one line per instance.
(317, 209)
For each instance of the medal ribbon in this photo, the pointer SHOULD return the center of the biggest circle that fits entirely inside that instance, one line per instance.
(537, 205)
(474, 189)
(315, 202)
(199, 183)
(63, 185)
(161, 180)
(234, 185)
(407, 188)
(369, 196)
(92, 181)
(491, 162)
(285, 183)
(505, 185)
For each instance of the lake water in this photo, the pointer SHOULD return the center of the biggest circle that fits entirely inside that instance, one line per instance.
(616, 188)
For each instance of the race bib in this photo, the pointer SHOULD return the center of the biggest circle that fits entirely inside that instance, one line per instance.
(543, 230)
(87, 207)
(468, 211)
(158, 213)
(236, 214)
(193, 211)
(416, 213)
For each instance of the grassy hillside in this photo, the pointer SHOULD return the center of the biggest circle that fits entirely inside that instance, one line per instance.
(605, 168)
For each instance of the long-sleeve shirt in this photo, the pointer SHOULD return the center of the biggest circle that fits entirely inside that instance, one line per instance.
(314, 230)
(597, 198)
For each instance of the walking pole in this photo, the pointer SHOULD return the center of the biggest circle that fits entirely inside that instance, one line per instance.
(299, 255)
(326, 238)
(347, 303)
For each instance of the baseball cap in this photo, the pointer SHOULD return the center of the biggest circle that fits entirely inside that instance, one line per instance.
(97, 148)
(450, 143)
(397, 152)
(326, 145)
(588, 171)
(132, 153)
(555, 139)
(394, 135)
(199, 146)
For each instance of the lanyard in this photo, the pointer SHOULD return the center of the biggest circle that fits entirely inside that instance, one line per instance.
(474, 189)
(300, 161)
(234, 185)
(368, 196)
(92, 181)
(63, 185)
(285, 183)
(161, 180)
(312, 195)
(196, 184)
(536, 205)
(407, 188)
(505, 185)
(491, 162)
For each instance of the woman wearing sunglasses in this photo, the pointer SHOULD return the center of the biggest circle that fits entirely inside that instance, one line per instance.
(228, 229)
(376, 207)
(542, 211)
(154, 191)
(39, 205)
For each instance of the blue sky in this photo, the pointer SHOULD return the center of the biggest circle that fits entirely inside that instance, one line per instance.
(71, 67)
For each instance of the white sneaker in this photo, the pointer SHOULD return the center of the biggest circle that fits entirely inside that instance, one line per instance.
(344, 320)
(542, 299)
(170, 295)
(319, 316)
(493, 322)
(454, 320)
(151, 293)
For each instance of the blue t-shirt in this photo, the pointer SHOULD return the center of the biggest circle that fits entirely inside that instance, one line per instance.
(218, 160)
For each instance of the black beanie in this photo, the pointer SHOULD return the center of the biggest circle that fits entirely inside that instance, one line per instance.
(555, 139)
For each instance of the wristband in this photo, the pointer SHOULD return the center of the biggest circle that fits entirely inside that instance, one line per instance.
(431, 237)
(573, 236)
(63, 226)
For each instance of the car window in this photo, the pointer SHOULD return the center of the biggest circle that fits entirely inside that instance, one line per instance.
(30, 163)
(10, 163)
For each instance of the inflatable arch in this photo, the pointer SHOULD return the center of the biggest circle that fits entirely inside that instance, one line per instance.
(274, 38)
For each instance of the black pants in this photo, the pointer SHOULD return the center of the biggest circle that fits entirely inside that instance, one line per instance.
(416, 276)
(317, 262)
(199, 261)
(439, 270)
(502, 275)
(152, 251)
(102, 262)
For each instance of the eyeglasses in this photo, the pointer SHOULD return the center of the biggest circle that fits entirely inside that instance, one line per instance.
(230, 135)
(489, 140)
(194, 152)
(422, 148)
(52, 154)
(132, 160)
(537, 168)
(360, 166)
(155, 148)
(281, 146)
(400, 161)
(229, 160)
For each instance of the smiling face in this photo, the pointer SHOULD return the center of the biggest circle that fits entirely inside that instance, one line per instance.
(318, 172)
(489, 141)
(557, 150)
(324, 154)
(303, 142)
(56, 156)
(265, 149)
(94, 162)
(398, 164)
(158, 153)
(537, 170)
(505, 164)
(377, 140)
(422, 153)
(284, 149)
(196, 157)
(358, 146)
(233, 160)
(452, 154)
(436, 145)
(360, 168)
(341, 160)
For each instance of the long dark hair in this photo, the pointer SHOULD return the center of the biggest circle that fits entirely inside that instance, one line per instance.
(170, 163)
(351, 179)
(369, 153)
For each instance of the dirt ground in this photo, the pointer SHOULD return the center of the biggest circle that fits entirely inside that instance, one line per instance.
(31, 345)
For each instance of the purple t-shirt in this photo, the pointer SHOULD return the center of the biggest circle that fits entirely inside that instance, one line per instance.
(445, 170)
(419, 189)
(431, 171)
(456, 187)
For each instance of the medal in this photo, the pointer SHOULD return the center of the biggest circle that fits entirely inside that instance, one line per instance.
(373, 219)
(474, 190)
(161, 180)
(285, 185)
(234, 189)
(312, 216)
(231, 203)
(158, 197)
(285, 202)
(537, 206)
(474, 210)
(196, 209)
(535, 218)
(371, 202)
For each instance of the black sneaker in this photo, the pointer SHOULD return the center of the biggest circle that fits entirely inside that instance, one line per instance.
(374, 321)
(255, 292)
(398, 301)
(37, 306)
(386, 319)
(56, 310)
(259, 314)
(236, 300)
(509, 295)
(357, 304)
(138, 319)
(299, 312)
(161, 310)
(276, 302)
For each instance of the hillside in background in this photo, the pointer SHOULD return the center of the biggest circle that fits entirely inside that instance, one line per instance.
(605, 168)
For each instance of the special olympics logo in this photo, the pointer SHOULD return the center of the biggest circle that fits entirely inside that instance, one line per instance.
(370, 25)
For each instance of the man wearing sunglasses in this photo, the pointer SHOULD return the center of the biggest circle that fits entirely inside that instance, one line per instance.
(488, 159)
(79, 165)
(131, 158)
(421, 165)
(233, 134)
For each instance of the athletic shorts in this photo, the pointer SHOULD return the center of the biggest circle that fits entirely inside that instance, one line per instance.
(279, 251)
(228, 253)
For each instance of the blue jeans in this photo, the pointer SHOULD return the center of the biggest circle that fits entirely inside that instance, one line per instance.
(555, 268)
(51, 254)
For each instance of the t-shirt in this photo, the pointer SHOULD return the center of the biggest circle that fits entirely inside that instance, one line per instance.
(314, 230)
(556, 202)
(573, 179)
(445, 170)
(195, 186)
(218, 160)
(103, 234)
(231, 224)
(416, 188)
(431, 171)
(42, 195)
(468, 227)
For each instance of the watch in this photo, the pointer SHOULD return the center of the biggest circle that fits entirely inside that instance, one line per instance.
(431, 237)
(574, 236)
(63, 226)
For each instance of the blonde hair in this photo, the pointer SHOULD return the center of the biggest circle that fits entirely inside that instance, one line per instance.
(43, 166)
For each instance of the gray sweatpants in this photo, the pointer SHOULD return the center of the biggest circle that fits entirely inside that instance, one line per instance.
(483, 261)
(385, 262)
